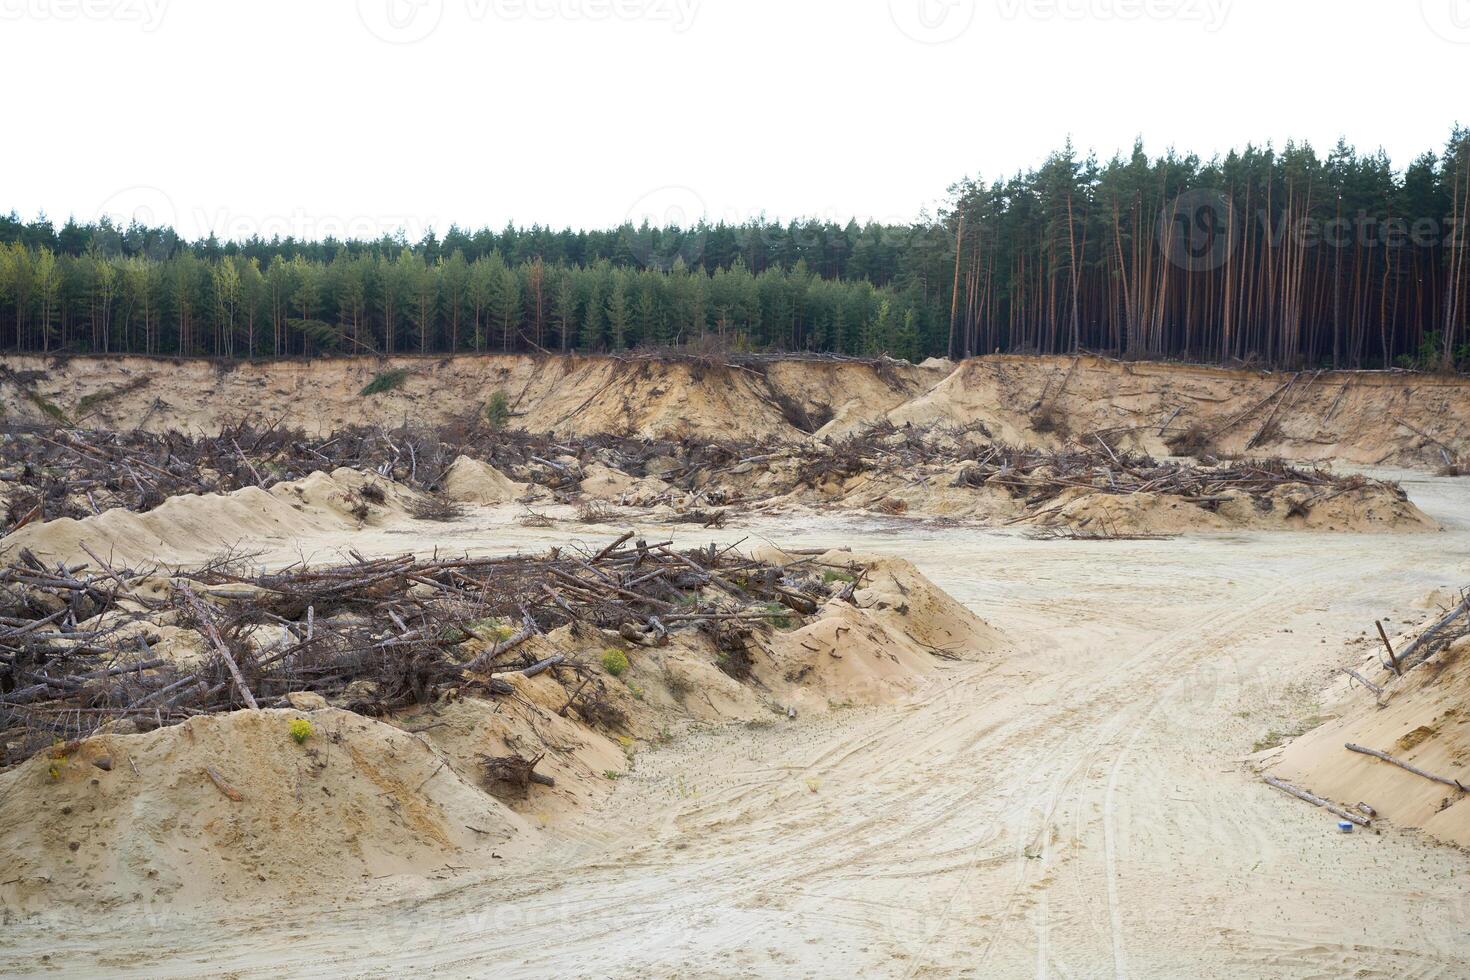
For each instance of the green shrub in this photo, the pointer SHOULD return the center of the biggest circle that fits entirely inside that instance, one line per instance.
(385, 381)
(778, 615)
(497, 410)
(615, 662)
(833, 575)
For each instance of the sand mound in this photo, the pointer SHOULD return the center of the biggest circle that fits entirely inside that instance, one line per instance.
(195, 526)
(1424, 720)
(881, 648)
(602, 482)
(1291, 507)
(356, 801)
(471, 481)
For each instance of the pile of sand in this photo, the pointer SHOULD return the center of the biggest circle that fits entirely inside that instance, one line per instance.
(471, 481)
(138, 818)
(194, 526)
(232, 807)
(1293, 506)
(601, 482)
(938, 491)
(1422, 718)
(882, 648)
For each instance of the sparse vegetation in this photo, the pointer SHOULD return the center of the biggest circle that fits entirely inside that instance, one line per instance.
(615, 662)
(385, 381)
(497, 410)
(431, 507)
(301, 730)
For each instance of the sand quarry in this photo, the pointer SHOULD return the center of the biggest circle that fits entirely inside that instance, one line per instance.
(731, 667)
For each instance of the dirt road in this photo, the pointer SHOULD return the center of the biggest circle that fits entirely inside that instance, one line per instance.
(1081, 811)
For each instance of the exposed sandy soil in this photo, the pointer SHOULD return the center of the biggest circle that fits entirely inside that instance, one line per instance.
(1360, 417)
(1012, 755)
(1422, 718)
(1084, 805)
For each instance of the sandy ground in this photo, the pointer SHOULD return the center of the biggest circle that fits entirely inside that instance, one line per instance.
(1083, 810)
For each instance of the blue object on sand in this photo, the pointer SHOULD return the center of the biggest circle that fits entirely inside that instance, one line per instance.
(1345, 826)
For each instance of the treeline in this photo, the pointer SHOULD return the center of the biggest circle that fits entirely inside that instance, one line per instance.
(1286, 258)
(1278, 257)
(373, 302)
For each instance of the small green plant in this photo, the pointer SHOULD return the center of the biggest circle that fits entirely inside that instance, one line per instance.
(833, 575)
(778, 615)
(301, 730)
(615, 662)
(613, 774)
(497, 410)
(385, 381)
(636, 691)
(46, 407)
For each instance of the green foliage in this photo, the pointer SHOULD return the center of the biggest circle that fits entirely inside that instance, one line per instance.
(831, 575)
(46, 407)
(778, 615)
(301, 730)
(385, 381)
(1062, 256)
(615, 662)
(497, 410)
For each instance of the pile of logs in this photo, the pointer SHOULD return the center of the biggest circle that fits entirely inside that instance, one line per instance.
(80, 645)
(69, 472)
(1041, 475)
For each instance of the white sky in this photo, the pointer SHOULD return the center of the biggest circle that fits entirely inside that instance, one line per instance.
(295, 116)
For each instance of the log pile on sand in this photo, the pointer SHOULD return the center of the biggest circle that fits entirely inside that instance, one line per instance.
(219, 732)
(1399, 746)
(1089, 486)
(84, 651)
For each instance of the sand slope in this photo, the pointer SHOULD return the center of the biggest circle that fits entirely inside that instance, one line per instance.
(353, 803)
(1423, 718)
(1359, 417)
(195, 526)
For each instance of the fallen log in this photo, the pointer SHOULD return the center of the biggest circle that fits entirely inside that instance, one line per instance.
(1454, 783)
(1330, 807)
(1419, 650)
